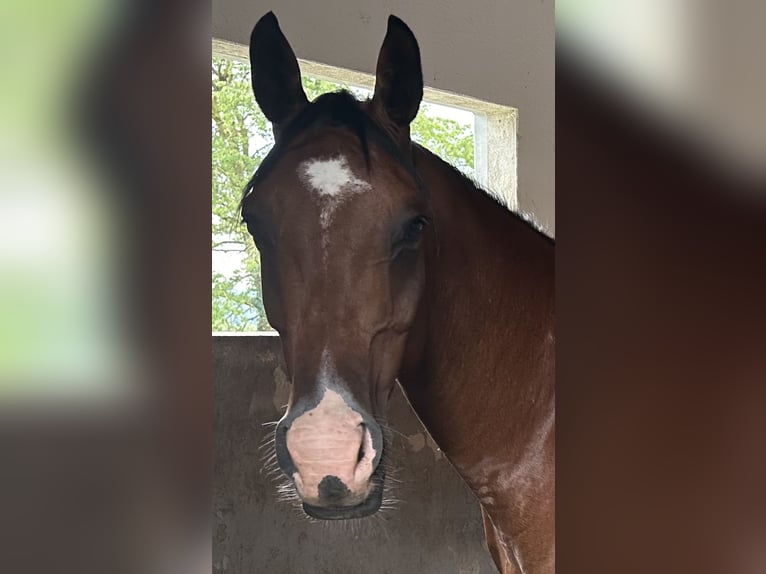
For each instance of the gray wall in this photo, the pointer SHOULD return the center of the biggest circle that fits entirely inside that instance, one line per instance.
(435, 529)
(494, 50)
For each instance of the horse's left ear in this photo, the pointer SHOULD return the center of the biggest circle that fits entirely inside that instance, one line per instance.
(275, 72)
(399, 76)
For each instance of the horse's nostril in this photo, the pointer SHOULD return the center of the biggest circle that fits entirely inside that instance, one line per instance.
(360, 454)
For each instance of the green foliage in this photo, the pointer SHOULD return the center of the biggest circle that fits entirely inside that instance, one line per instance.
(237, 305)
(241, 139)
(447, 138)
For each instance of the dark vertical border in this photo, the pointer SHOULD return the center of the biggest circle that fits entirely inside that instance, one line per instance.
(148, 112)
(661, 353)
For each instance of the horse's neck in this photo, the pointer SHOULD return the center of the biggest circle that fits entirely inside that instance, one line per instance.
(479, 365)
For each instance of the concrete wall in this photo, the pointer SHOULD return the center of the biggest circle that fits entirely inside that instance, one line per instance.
(494, 50)
(436, 528)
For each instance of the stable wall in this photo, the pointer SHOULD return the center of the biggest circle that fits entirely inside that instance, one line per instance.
(436, 528)
(494, 50)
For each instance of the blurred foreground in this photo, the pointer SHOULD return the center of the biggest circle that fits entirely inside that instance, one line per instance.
(661, 244)
(104, 287)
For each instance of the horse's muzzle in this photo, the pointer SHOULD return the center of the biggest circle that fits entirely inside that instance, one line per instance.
(367, 507)
(331, 449)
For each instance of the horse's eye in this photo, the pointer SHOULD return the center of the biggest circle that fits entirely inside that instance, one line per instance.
(414, 230)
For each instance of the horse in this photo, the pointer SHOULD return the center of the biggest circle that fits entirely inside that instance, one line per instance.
(382, 264)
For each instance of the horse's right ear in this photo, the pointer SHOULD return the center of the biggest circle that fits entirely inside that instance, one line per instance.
(275, 72)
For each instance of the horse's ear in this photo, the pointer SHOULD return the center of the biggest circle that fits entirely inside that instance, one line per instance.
(399, 76)
(275, 72)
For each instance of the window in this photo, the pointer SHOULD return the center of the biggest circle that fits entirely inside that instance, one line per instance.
(241, 138)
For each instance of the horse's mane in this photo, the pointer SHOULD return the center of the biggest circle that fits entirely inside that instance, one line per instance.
(491, 198)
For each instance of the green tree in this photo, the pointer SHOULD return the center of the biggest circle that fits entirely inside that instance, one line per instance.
(450, 140)
(241, 138)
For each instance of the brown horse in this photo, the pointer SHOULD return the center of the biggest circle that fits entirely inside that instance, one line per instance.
(382, 262)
